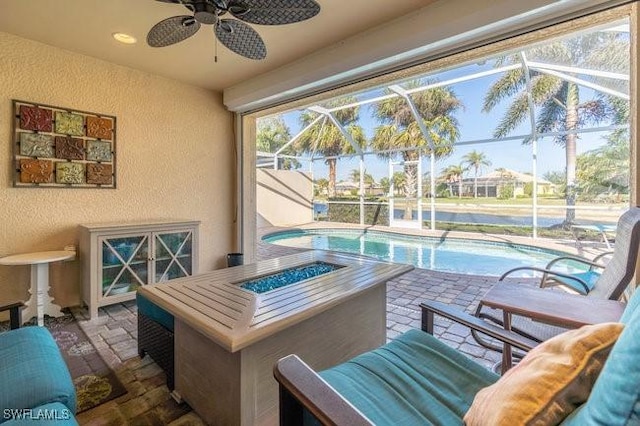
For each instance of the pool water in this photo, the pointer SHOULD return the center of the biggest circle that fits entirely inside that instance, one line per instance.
(441, 254)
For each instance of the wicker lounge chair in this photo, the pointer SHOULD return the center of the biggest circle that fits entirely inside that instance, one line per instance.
(610, 283)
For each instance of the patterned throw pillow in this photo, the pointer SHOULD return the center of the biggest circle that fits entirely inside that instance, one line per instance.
(550, 382)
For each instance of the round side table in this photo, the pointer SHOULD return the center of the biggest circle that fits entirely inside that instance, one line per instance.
(39, 303)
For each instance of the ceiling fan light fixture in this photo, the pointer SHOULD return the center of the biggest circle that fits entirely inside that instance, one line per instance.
(124, 38)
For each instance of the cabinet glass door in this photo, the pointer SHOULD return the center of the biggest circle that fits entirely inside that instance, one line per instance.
(125, 264)
(173, 255)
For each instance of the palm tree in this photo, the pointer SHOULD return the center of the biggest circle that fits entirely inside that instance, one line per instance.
(451, 174)
(605, 169)
(399, 181)
(475, 160)
(561, 109)
(322, 186)
(400, 131)
(385, 183)
(369, 181)
(272, 133)
(325, 138)
(426, 183)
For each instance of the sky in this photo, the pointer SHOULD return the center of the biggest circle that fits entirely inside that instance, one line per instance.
(473, 125)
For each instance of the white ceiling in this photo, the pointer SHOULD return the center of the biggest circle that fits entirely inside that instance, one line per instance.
(85, 26)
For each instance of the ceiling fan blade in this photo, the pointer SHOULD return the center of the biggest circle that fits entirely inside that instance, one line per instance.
(273, 12)
(240, 38)
(186, 3)
(172, 30)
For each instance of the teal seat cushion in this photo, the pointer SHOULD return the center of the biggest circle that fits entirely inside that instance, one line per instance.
(589, 277)
(32, 371)
(615, 398)
(413, 380)
(53, 414)
(631, 308)
(154, 311)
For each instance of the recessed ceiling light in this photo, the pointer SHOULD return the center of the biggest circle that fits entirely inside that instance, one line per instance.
(124, 38)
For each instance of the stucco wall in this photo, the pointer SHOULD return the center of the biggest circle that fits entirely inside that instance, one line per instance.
(175, 159)
(284, 197)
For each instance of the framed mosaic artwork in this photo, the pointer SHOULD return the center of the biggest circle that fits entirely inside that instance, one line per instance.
(61, 147)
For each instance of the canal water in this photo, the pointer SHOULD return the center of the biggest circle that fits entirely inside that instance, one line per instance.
(321, 209)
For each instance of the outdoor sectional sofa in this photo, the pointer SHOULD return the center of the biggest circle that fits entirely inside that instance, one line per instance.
(417, 379)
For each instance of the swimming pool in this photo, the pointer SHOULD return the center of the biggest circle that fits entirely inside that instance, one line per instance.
(441, 254)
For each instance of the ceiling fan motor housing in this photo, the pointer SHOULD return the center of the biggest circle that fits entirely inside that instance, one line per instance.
(205, 13)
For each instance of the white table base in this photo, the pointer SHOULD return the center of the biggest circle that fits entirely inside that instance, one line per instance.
(40, 303)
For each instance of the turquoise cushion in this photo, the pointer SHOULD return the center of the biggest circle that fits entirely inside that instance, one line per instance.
(32, 371)
(53, 414)
(615, 398)
(413, 380)
(154, 311)
(590, 277)
(631, 308)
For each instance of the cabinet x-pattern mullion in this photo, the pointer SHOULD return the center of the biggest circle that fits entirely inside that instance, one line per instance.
(174, 256)
(125, 263)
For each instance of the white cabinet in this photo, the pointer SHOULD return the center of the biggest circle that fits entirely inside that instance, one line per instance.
(118, 258)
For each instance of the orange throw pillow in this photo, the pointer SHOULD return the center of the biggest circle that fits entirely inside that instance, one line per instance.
(549, 382)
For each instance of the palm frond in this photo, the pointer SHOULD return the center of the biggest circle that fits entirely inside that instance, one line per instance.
(515, 114)
(544, 87)
(511, 83)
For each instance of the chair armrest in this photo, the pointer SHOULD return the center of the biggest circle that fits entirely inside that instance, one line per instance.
(547, 272)
(591, 263)
(601, 255)
(429, 308)
(302, 388)
(14, 313)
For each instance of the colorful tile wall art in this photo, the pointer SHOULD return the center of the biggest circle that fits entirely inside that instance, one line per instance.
(62, 147)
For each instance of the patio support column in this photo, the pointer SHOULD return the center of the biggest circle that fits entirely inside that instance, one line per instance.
(432, 190)
(392, 190)
(534, 143)
(420, 188)
(361, 189)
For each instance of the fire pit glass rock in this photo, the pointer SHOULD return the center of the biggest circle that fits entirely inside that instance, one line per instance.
(288, 276)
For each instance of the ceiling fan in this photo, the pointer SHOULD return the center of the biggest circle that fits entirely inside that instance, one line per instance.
(233, 33)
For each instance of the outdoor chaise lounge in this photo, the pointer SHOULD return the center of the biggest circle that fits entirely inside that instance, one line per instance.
(608, 284)
(603, 230)
(418, 380)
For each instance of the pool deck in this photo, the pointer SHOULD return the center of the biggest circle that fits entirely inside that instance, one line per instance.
(405, 292)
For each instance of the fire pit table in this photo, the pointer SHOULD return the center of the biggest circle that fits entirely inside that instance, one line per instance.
(232, 325)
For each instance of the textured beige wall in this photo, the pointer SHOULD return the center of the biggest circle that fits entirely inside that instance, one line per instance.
(284, 197)
(175, 159)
